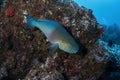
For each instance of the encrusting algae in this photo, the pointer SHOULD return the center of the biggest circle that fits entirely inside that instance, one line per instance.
(24, 54)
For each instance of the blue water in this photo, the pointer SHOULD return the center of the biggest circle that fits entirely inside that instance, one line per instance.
(106, 11)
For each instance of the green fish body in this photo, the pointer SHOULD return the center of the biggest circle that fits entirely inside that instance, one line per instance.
(55, 33)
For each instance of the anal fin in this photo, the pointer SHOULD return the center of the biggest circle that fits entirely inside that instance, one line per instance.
(53, 48)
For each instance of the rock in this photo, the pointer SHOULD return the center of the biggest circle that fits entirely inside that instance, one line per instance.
(19, 47)
(43, 72)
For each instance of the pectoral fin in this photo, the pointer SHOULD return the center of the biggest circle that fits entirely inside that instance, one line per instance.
(53, 49)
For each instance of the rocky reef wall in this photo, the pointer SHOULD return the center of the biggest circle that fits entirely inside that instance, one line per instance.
(24, 54)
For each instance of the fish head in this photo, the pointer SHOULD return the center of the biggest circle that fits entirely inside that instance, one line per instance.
(71, 48)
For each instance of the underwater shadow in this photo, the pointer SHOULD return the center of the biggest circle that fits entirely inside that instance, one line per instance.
(1, 3)
(82, 51)
(112, 72)
(6, 78)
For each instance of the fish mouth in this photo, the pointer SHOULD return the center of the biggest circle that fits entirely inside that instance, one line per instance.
(67, 48)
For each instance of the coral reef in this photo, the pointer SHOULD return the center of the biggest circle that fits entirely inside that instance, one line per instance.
(24, 54)
(113, 70)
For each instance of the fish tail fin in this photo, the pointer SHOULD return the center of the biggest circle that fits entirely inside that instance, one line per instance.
(31, 22)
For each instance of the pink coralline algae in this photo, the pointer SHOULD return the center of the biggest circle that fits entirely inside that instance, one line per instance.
(9, 12)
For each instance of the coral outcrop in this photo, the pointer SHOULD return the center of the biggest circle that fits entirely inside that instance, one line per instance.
(24, 54)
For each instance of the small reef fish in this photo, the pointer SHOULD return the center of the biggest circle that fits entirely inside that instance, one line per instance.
(55, 33)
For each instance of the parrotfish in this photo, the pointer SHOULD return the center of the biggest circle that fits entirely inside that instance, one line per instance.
(56, 34)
